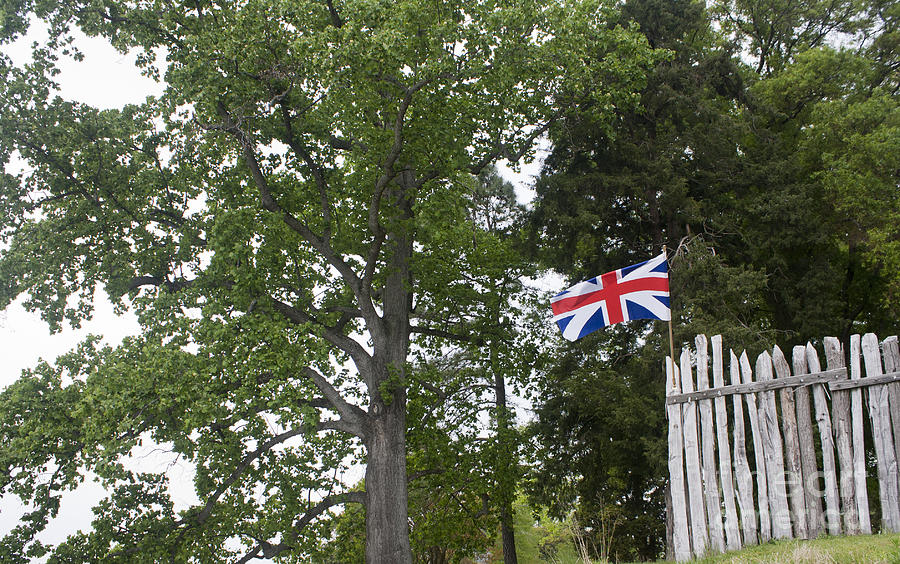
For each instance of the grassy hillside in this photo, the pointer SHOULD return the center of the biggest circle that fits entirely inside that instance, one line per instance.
(882, 549)
(540, 539)
(873, 549)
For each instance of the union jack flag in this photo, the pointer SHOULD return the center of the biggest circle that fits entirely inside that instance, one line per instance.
(634, 292)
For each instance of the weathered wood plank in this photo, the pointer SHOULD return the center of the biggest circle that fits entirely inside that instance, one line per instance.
(794, 474)
(732, 530)
(743, 477)
(886, 460)
(826, 436)
(756, 424)
(840, 414)
(708, 451)
(891, 353)
(699, 532)
(859, 449)
(815, 518)
(886, 378)
(680, 539)
(774, 453)
(827, 377)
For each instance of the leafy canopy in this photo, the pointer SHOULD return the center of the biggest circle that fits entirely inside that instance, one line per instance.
(280, 219)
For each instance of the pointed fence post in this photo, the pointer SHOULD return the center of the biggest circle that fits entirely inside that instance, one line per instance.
(708, 451)
(891, 353)
(886, 458)
(823, 421)
(815, 518)
(743, 477)
(732, 530)
(859, 449)
(680, 539)
(840, 413)
(699, 533)
(756, 428)
(794, 475)
(773, 452)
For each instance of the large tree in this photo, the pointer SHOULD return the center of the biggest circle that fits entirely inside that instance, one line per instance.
(270, 216)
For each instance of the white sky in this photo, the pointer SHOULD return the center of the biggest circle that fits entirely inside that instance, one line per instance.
(105, 79)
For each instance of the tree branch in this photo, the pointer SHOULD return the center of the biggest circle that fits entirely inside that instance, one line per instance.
(360, 356)
(387, 175)
(150, 280)
(317, 172)
(353, 418)
(207, 510)
(335, 17)
(503, 150)
(268, 550)
(267, 199)
(430, 332)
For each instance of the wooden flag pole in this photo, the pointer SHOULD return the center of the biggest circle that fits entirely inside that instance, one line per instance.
(671, 339)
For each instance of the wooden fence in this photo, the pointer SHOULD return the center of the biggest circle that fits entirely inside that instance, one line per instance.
(730, 490)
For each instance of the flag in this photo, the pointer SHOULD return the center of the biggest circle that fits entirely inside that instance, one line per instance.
(634, 292)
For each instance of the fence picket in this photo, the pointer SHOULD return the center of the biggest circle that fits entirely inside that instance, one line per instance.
(859, 449)
(744, 479)
(680, 538)
(885, 455)
(708, 451)
(699, 533)
(774, 453)
(840, 405)
(794, 474)
(823, 421)
(756, 424)
(732, 532)
(892, 364)
(815, 518)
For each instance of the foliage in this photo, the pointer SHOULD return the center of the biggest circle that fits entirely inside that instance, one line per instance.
(539, 538)
(772, 177)
(600, 445)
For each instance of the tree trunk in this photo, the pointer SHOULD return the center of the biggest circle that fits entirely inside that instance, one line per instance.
(387, 515)
(387, 523)
(507, 533)
(506, 481)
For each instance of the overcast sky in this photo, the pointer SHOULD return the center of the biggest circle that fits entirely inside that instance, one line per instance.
(105, 79)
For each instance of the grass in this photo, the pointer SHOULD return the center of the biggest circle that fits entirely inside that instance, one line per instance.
(881, 549)
(866, 549)
(540, 540)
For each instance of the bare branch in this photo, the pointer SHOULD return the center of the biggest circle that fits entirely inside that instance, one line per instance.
(335, 17)
(360, 356)
(352, 417)
(268, 550)
(431, 332)
(207, 510)
(503, 150)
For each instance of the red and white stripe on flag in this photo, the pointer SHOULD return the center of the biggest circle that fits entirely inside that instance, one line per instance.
(634, 292)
